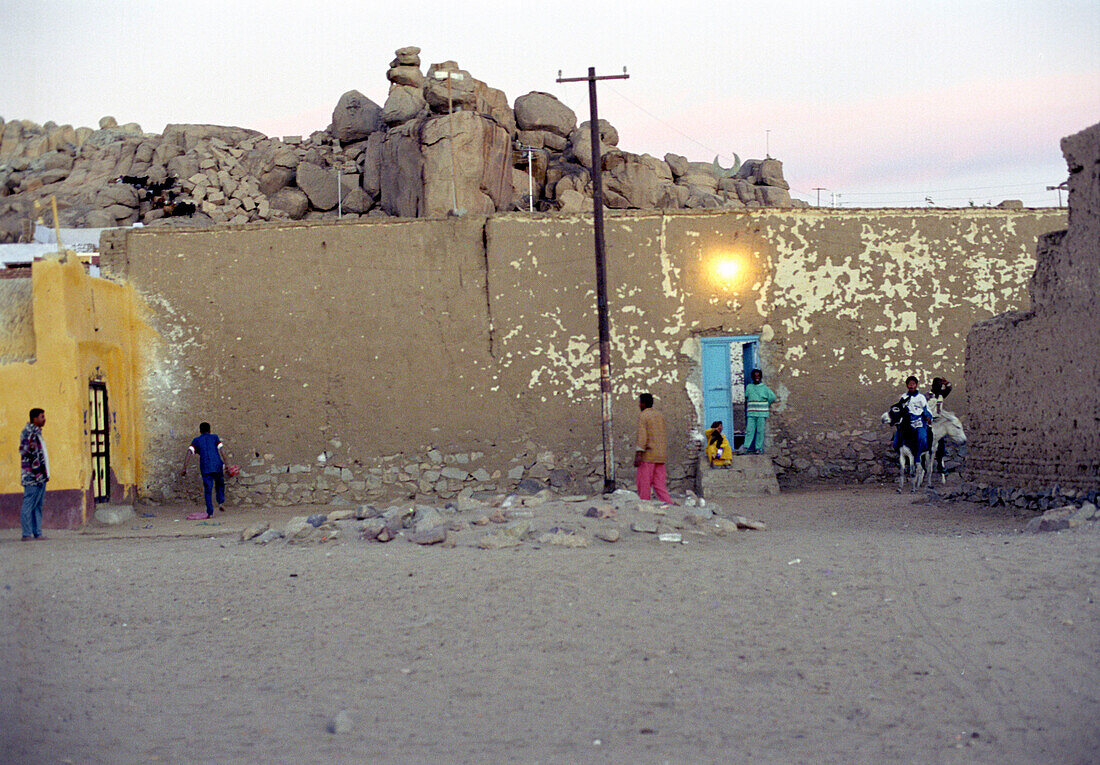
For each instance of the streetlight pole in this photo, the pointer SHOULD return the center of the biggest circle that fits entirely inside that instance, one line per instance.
(601, 272)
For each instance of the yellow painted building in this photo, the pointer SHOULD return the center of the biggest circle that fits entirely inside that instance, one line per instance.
(73, 346)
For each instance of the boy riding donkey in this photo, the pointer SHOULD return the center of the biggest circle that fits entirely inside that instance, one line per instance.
(911, 419)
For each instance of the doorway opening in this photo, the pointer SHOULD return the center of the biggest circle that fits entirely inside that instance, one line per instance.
(99, 436)
(727, 366)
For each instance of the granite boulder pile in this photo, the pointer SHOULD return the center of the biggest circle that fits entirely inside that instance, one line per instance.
(444, 142)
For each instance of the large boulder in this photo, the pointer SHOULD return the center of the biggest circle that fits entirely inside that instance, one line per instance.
(118, 193)
(450, 87)
(746, 192)
(62, 137)
(561, 175)
(542, 111)
(407, 56)
(276, 178)
(493, 103)
(763, 172)
(56, 160)
(769, 172)
(319, 184)
(293, 202)
(672, 197)
(570, 201)
(773, 196)
(521, 182)
(660, 167)
(187, 137)
(401, 165)
(542, 139)
(11, 139)
(677, 163)
(403, 104)
(355, 117)
(580, 141)
(701, 198)
(406, 75)
(702, 180)
(357, 201)
(482, 170)
(370, 165)
(631, 178)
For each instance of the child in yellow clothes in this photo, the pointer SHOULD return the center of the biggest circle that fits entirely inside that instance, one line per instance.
(718, 446)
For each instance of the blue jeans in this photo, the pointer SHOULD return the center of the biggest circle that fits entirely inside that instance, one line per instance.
(209, 480)
(922, 441)
(30, 517)
(754, 433)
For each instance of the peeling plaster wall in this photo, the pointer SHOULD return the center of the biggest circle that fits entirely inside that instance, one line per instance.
(16, 320)
(847, 304)
(474, 340)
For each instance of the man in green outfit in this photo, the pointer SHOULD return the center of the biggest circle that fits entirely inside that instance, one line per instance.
(758, 400)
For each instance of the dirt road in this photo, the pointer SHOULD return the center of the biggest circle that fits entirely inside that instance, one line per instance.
(860, 627)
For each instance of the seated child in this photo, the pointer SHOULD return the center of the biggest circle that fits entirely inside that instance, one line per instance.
(718, 446)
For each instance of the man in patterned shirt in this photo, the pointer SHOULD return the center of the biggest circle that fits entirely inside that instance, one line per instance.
(35, 464)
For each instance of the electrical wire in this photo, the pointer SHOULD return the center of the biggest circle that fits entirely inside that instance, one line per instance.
(671, 127)
(929, 192)
(919, 198)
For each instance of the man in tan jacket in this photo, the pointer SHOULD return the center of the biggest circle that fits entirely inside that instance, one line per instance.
(652, 450)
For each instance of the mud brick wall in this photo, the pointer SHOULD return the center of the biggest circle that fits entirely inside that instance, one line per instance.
(356, 359)
(1033, 377)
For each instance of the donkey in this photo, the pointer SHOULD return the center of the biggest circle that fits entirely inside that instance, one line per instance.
(908, 449)
(944, 423)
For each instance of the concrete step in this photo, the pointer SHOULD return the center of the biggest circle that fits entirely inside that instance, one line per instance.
(747, 475)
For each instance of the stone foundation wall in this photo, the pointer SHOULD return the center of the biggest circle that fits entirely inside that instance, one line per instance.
(265, 482)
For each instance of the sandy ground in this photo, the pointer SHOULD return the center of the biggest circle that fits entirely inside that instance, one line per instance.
(862, 626)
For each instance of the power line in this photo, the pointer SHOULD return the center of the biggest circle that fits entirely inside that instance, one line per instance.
(939, 191)
(671, 127)
(921, 195)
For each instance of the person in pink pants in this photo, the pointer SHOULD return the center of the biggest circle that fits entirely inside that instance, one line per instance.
(652, 450)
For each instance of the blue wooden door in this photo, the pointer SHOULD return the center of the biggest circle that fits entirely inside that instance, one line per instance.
(716, 381)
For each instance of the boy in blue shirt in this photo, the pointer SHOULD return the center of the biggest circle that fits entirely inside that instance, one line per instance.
(208, 446)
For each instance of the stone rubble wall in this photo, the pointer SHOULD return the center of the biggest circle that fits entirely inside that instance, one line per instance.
(334, 358)
(397, 475)
(1032, 375)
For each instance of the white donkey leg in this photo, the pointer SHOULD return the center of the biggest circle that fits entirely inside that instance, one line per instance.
(932, 467)
(921, 469)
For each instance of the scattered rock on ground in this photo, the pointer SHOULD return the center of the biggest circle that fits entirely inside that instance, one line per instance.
(253, 531)
(342, 722)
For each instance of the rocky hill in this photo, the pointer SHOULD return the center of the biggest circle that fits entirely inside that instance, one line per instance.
(395, 159)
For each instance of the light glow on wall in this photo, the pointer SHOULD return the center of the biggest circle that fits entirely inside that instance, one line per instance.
(729, 271)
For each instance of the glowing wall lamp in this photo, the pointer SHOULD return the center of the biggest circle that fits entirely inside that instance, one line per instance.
(729, 271)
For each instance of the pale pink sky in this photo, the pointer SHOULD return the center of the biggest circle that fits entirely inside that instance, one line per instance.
(883, 103)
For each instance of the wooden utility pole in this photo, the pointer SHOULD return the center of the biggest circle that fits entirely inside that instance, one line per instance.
(601, 271)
